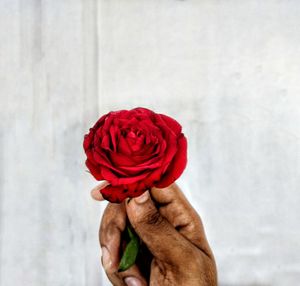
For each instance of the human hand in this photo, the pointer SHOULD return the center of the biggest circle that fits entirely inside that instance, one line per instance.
(172, 231)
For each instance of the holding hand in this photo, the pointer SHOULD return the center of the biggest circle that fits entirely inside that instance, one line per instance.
(171, 230)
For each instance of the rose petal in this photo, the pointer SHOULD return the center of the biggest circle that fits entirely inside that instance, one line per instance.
(100, 122)
(102, 160)
(104, 129)
(123, 162)
(132, 187)
(172, 124)
(119, 159)
(115, 180)
(133, 170)
(90, 155)
(114, 136)
(177, 165)
(105, 143)
(171, 149)
(148, 125)
(114, 194)
(88, 138)
(129, 180)
(123, 146)
(95, 170)
(108, 174)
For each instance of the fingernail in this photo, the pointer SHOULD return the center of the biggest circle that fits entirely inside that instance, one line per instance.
(132, 281)
(106, 261)
(142, 198)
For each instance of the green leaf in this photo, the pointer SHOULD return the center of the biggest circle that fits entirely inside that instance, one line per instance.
(131, 251)
(130, 232)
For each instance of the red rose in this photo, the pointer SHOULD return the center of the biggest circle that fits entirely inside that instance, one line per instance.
(135, 150)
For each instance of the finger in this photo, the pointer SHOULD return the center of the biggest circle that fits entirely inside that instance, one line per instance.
(111, 275)
(181, 215)
(161, 238)
(187, 224)
(112, 225)
(166, 195)
(95, 192)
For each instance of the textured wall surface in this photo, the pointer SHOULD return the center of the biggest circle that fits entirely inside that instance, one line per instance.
(229, 71)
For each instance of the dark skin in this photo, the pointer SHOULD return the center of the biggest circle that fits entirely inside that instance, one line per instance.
(177, 251)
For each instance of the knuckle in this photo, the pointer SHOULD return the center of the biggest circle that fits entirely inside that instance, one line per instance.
(195, 223)
(108, 233)
(113, 215)
(193, 228)
(196, 217)
(107, 214)
(152, 218)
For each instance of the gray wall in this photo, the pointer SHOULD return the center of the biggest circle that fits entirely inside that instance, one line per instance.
(229, 71)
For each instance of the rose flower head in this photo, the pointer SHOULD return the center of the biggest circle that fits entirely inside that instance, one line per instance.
(135, 150)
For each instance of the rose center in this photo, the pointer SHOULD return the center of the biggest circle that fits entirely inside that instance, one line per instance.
(135, 138)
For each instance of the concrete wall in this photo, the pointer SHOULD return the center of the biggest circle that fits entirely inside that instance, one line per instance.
(229, 71)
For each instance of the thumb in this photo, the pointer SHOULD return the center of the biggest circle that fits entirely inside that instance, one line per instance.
(161, 238)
